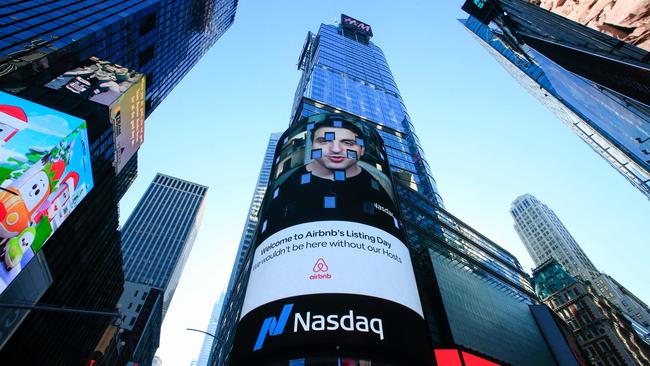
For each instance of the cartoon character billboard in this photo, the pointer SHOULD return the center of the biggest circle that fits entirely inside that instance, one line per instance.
(45, 171)
(331, 273)
(121, 90)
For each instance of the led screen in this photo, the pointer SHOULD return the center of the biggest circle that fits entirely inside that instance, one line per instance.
(45, 172)
(118, 88)
(331, 267)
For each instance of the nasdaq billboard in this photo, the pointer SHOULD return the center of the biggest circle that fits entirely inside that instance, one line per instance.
(331, 273)
(45, 172)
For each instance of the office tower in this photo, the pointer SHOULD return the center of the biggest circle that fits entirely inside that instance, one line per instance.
(546, 238)
(213, 326)
(457, 270)
(157, 238)
(603, 333)
(596, 84)
(81, 263)
(625, 20)
(163, 39)
(252, 219)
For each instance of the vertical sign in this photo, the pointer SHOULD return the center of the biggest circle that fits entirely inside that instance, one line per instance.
(331, 273)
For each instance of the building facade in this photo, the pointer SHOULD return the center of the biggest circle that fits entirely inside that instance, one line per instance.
(597, 85)
(213, 327)
(457, 270)
(546, 238)
(158, 236)
(40, 41)
(603, 333)
(141, 35)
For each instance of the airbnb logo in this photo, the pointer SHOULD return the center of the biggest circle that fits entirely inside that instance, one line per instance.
(320, 266)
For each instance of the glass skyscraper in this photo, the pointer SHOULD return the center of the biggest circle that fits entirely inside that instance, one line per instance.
(163, 39)
(474, 294)
(597, 85)
(213, 326)
(40, 40)
(158, 236)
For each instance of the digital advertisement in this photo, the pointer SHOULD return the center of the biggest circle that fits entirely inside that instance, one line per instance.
(331, 269)
(120, 89)
(45, 172)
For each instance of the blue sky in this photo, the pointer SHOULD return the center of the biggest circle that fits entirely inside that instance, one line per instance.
(487, 141)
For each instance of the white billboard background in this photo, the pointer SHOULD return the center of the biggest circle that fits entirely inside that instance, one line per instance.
(285, 263)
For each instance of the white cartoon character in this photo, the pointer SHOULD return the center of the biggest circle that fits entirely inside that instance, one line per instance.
(12, 120)
(22, 201)
(17, 246)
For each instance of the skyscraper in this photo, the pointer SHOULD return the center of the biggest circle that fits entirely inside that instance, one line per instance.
(457, 270)
(252, 219)
(158, 236)
(597, 85)
(546, 238)
(81, 264)
(42, 36)
(213, 326)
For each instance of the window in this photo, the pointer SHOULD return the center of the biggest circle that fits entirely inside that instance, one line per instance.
(137, 309)
(146, 56)
(130, 305)
(144, 295)
(330, 136)
(147, 24)
(352, 154)
(276, 192)
(315, 154)
(305, 178)
(132, 321)
(339, 175)
(136, 294)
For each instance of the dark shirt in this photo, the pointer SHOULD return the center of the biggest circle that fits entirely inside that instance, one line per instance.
(359, 199)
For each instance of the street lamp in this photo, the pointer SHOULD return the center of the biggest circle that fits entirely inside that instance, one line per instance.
(200, 331)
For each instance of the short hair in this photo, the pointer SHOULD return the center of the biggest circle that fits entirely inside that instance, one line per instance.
(337, 123)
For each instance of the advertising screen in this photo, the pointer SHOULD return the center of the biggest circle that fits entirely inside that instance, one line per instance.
(331, 272)
(118, 88)
(45, 172)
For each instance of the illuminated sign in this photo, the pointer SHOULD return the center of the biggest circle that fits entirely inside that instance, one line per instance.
(356, 25)
(118, 88)
(45, 172)
(331, 267)
(483, 10)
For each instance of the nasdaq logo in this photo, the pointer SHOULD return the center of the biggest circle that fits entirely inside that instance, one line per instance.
(273, 326)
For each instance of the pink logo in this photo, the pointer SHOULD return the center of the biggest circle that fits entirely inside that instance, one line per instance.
(320, 266)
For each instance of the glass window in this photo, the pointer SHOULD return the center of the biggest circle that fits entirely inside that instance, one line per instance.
(276, 192)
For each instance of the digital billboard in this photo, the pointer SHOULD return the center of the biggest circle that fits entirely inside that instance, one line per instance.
(331, 272)
(45, 171)
(121, 90)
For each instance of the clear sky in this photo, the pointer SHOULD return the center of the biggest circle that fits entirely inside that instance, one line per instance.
(486, 139)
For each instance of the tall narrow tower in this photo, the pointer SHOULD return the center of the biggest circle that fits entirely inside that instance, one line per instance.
(545, 237)
(158, 236)
(457, 270)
